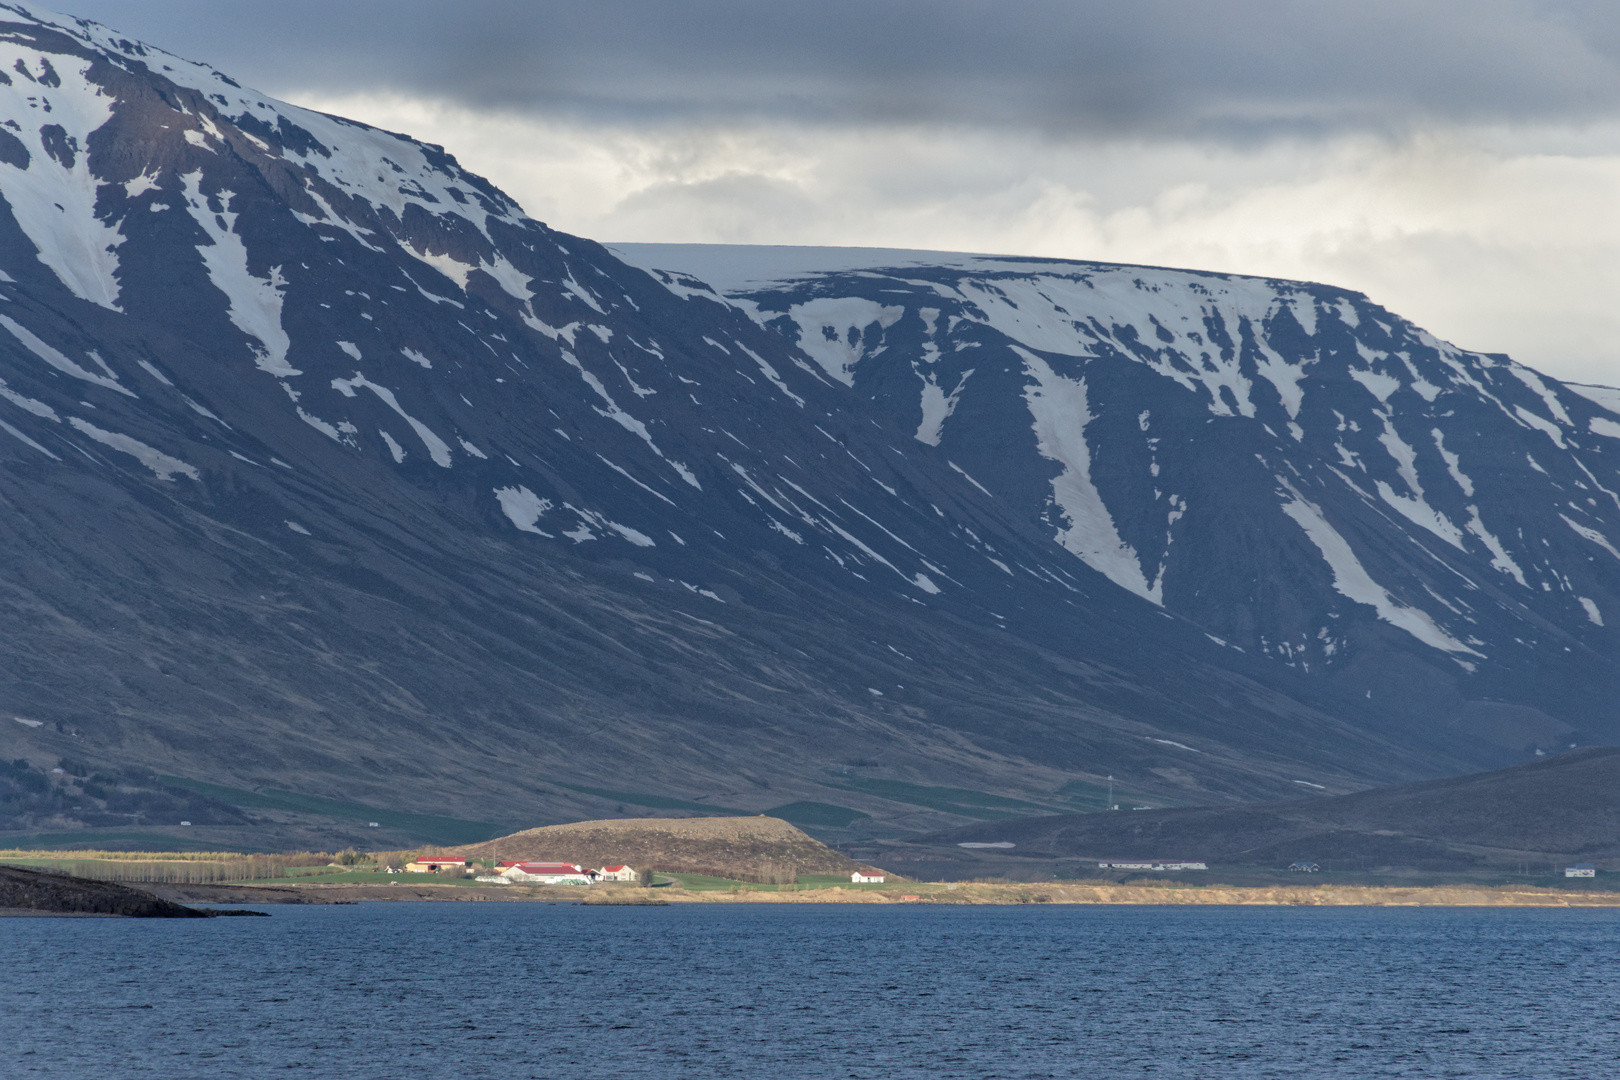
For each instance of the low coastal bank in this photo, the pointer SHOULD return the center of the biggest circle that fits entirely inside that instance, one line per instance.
(30, 892)
(1322, 895)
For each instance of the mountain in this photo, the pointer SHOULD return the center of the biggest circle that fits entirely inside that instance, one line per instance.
(1286, 465)
(1541, 816)
(327, 472)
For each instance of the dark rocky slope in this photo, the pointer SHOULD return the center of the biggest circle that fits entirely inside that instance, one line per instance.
(1558, 809)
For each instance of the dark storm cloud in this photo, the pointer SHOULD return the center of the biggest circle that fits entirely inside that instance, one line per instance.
(1154, 68)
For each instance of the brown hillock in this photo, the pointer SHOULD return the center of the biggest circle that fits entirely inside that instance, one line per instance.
(763, 849)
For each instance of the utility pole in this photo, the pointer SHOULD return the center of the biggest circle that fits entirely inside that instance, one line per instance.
(1111, 805)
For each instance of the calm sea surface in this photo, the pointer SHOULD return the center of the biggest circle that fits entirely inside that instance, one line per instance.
(391, 990)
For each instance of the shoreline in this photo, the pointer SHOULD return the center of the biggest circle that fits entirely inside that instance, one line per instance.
(1073, 894)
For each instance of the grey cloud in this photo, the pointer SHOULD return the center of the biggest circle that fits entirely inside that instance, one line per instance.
(1148, 68)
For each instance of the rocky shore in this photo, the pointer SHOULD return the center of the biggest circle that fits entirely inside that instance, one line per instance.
(25, 891)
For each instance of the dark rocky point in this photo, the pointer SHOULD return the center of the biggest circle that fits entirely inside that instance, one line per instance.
(44, 892)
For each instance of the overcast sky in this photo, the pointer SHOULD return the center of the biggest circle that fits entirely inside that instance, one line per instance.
(1457, 160)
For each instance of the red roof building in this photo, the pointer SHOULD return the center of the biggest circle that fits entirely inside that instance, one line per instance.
(539, 873)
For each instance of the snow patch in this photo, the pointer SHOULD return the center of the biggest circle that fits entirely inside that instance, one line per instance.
(53, 197)
(833, 331)
(152, 370)
(1533, 381)
(1593, 535)
(1379, 385)
(1353, 581)
(513, 282)
(523, 508)
(1500, 559)
(61, 363)
(437, 448)
(1414, 508)
(134, 189)
(1061, 414)
(624, 419)
(966, 477)
(255, 303)
(161, 464)
(769, 372)
(1592, 612)
(1607, 397)
(1453, 463)
(396, 451)
(28, 404)
(24, 438)
(553, 332)
(1547, 426)
(584, 294)
(936, 406)
(636, 537)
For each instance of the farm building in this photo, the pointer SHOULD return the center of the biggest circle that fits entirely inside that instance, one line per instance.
(616, 873)
(435, 864)
(539, 873)
(1580, 870)
(864, 879)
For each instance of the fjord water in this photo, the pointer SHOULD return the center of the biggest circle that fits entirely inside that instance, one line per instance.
(539, 990)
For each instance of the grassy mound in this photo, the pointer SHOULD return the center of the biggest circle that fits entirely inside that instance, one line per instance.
(761, 849)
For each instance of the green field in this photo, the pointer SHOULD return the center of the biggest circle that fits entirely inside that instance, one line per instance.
(107, 840)
(424, 828)
(962, 801)
(828, 815)
(657, 802)
(798, 813)
(1086, 797)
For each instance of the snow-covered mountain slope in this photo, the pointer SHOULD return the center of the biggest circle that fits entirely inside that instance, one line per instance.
(1285, 464)
(325, 468)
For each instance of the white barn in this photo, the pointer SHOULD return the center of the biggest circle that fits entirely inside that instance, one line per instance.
(866, 879)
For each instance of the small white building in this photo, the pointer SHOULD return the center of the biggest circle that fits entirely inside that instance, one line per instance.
(616, 873)
(1580, 870)
(859, 878)
(1150, 864)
